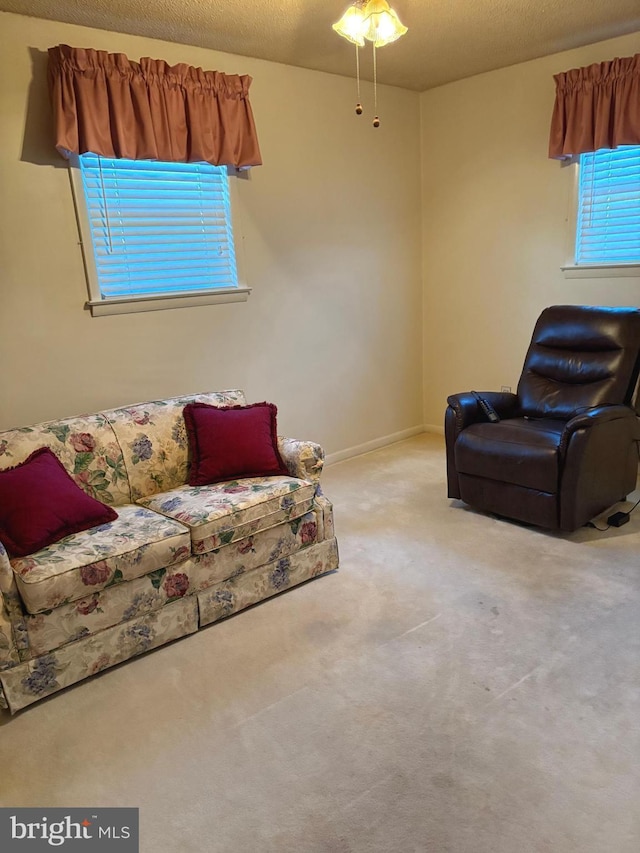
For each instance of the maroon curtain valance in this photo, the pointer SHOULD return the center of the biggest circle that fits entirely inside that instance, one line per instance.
(596, 107)
(109, 105)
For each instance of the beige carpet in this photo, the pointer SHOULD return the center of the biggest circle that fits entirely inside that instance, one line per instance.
(460, 685)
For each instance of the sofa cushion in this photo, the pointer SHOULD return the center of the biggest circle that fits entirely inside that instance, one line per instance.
(153, 438)
(98, 611)
(139, 541)
(229, 442)
(253, 551)
(86, 446)
(243, 590)
(40, 504)
(225, 512)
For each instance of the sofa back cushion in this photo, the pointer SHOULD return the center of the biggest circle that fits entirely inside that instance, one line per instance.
(86, 446)
(154, 442)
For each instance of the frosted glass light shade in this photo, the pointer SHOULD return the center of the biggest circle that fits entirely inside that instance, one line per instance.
(350, 25)
(381, 24)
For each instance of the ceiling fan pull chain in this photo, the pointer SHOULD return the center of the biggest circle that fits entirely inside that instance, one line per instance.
(358, 105)
(376, 120)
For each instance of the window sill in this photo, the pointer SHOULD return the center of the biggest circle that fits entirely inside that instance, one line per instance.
(601, 271)
(134, 304)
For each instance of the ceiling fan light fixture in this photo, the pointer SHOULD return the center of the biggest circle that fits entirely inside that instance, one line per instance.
(381, 24)
(350, 25)
(377, 22)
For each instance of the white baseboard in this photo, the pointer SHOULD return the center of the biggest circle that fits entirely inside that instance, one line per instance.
(436, 430)
(368, 446)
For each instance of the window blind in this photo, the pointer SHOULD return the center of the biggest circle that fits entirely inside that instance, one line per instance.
(158, 228)
(608, 227)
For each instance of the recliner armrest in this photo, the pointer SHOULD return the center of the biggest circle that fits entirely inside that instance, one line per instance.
(463, 410)
(467, 411)
(595, 416)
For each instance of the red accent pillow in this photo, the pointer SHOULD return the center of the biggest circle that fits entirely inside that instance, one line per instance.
(229, 442)
(40, 504)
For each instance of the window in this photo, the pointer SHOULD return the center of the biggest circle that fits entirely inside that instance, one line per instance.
(608, 209)
(154, 234)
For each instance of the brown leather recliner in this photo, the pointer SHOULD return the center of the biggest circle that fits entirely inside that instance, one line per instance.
(565, 447)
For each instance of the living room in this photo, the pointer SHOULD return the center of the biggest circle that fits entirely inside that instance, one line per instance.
(389, 268)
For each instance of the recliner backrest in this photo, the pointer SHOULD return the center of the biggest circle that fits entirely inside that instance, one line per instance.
(580, 357)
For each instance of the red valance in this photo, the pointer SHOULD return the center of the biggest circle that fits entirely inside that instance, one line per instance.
(596, 107)
(109, 105)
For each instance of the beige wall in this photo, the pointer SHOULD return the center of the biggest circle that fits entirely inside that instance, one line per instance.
(331, 222)
(494, 224)
(332, 232)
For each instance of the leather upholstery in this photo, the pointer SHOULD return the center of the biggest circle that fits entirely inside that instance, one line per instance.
(579, 357)
(525, 452)
(565, 447)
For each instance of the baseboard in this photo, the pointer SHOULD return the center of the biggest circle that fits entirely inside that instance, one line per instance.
(436, 430)
(368, 446)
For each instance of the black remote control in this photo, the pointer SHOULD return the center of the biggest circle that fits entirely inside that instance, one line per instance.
(487, 408)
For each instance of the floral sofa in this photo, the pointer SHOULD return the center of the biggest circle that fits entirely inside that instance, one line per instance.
(177, 557)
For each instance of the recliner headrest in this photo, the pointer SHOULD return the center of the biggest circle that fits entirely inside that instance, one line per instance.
(580, 357)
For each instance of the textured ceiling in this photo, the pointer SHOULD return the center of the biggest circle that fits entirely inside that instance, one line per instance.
(447, 39)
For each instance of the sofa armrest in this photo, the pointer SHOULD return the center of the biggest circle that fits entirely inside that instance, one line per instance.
(8, 650)
(7, 582)
(304, 459)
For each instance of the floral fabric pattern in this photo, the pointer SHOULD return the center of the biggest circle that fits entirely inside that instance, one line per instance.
(30, 681)
(111, 606)
(85, 445)
(243, 590)
(15, 612)
(325, 517)
(11, 604)
(248, 554)
(8, 651)
(121, 602)
(153, 438)
(229, 511)
(7, 583)
(136, 543)
(304, 459)
(176, 557)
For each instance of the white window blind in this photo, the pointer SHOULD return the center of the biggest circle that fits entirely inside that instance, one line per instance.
(608, 225)
(158, 228)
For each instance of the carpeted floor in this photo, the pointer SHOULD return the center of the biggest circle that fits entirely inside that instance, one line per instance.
(461, 685)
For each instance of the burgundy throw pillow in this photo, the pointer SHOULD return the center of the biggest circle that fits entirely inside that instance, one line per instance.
(40, 504)
(229, 442)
